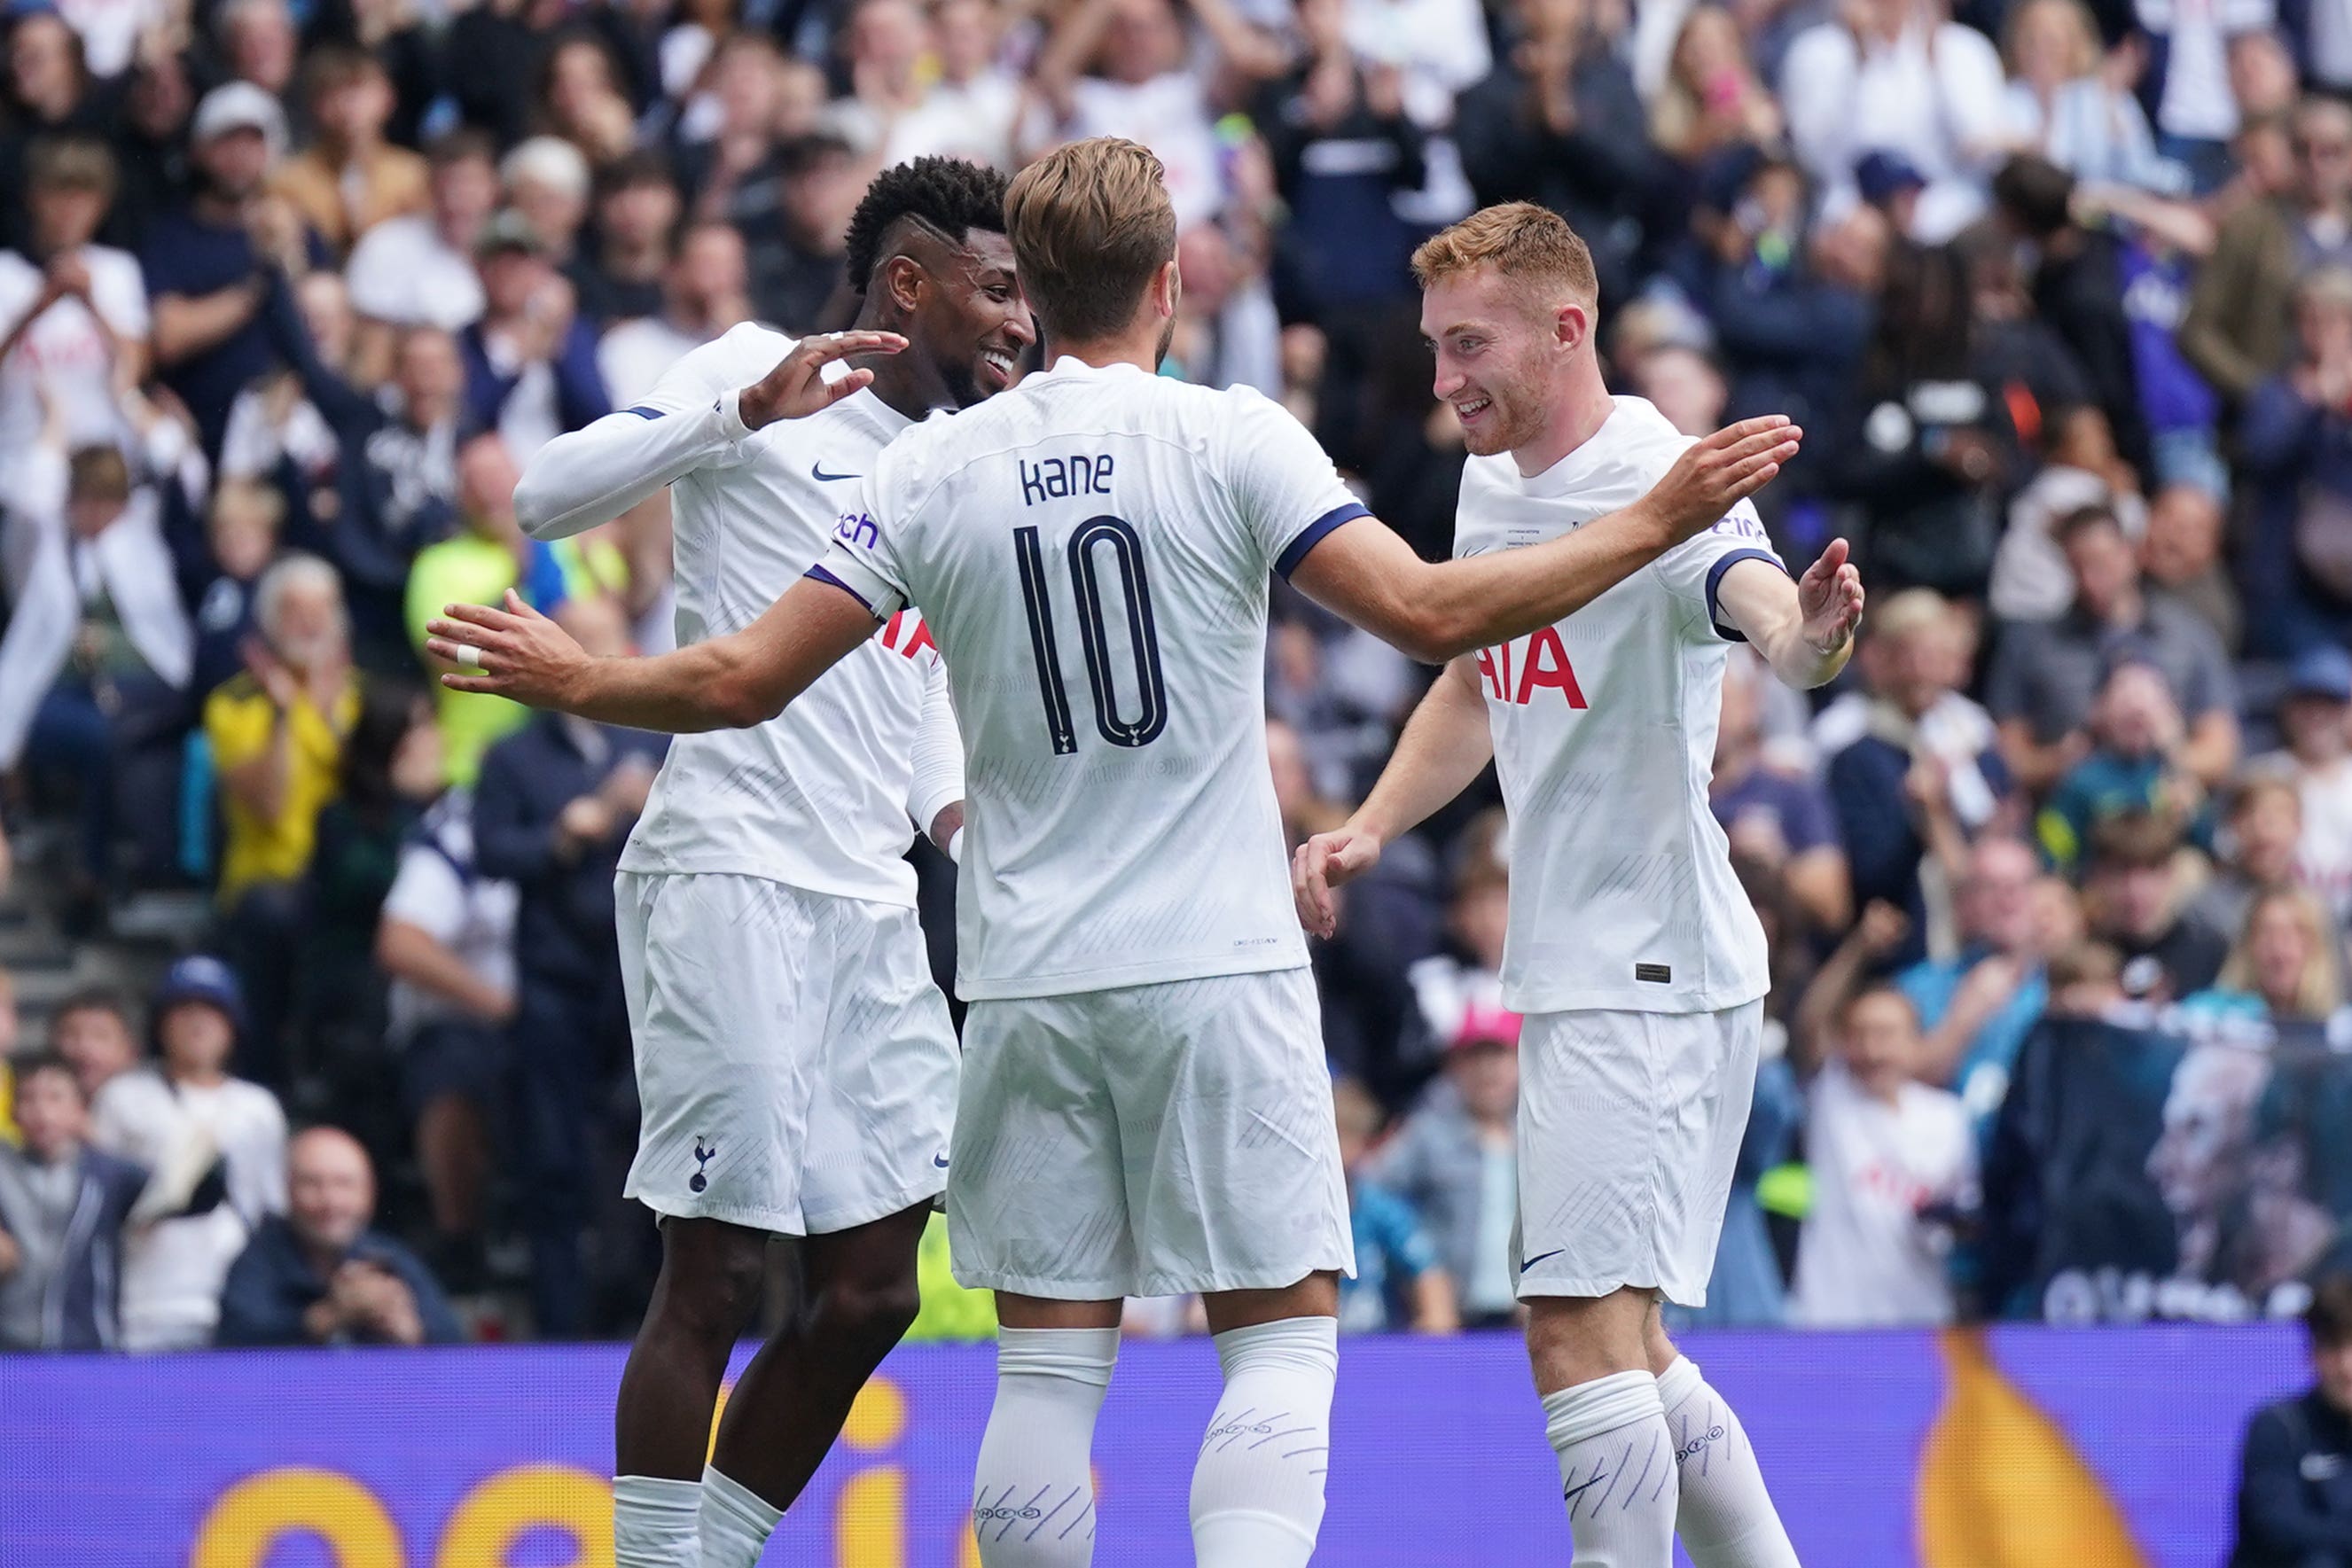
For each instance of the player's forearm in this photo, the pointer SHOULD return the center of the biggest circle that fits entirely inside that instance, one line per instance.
(595, 472)
(702, 687)
(1447, 745)
(1481, 601)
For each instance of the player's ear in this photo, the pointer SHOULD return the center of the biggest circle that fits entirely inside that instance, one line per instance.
(1167, 287)
(902, 282)
(1572, 325)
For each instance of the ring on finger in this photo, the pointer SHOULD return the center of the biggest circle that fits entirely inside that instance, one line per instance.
(469, 657)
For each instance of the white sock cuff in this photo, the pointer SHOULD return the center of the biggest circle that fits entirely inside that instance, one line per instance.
(658, 1494)
(1076, 1355)
(1304, 1345)
(731, 1497)
(1603, 1404)
(1679, 1381)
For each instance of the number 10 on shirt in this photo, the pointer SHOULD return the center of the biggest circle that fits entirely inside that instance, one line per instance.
(1095, 540)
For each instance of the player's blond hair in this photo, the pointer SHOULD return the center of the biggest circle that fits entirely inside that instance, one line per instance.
(1090, 223)
(1522, 241)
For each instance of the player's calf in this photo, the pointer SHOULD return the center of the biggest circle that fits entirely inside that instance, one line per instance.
(1033, 1492)
(1606, 1424)
(1724, 1517)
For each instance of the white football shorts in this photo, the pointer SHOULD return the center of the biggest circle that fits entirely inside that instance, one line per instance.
(1628, 1133)
(796, 1067)
(1148, 1141)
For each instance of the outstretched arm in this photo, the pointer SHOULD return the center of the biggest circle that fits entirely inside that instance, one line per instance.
(734, 682)
(1804, 628)
(1371, 577)
(1445, 745)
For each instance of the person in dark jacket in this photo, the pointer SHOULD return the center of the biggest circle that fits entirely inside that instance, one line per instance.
(2294, 1488)
(318, 1275)
(551, 809)
(63, 1211)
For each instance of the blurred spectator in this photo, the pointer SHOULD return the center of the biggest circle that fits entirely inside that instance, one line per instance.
(1929, 439)
(1118, 67)
(1780, 824)
(1397, 1281)
(2137, 895)
(318, 1275)
(207, 265)
(90, 1031)
(73, 315)
(2046, 675)
(704, 292)
(1712, 97)
(547, 181)
(257, 43)
(418, 270)
(1466, 978)
(241, 533)
(2134, 765)
(48, 92)
(1978, 1005)
(2295, 443)
(64, 1209)
(2189, 84)
(187, 1112)
(1892, 1162)
(530, 361)
(2286, 966)
(2263, 821)
(488, 555)
(1897, 76)
(1558, 123)
(2315, 718)
(277, 735)
(95, 661)
(2061, 105)
(2294, 1501)
(2180, 560)
(350, 179)
(973, 106)
(581, 100)
(2031, 580)
(446, 940)
(1923, 777)
(274, 420)
(1455, 1161)
(638, 208)
(2241, 308)
(554, 804)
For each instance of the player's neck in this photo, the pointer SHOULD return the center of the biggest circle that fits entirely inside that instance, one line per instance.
(1575, 419)
(1139, 346)
(907, 381)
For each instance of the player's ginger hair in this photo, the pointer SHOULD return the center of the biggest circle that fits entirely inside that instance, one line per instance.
(1090, 224)
(1520, 240)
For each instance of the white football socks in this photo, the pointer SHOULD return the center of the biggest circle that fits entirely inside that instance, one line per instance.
(1616, 1470)
(653, 1521)
(735, 1522)
(1726, 1518)
(1257, 1490)
(1032, 1491)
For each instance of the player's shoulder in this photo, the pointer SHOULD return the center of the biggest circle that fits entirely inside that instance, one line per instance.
(1636, 436)
(748, 349)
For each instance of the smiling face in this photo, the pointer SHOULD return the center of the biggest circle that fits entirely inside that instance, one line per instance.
(967, 315)
(1501, 355)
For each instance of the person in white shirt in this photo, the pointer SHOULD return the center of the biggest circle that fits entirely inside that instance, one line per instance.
(1631, 948)
(73, 315)
(1897, 76)
(1893, 1159)
(187, 1111)
(795, 1061)
(704, 293)
(418, 270)
(1145, 1106)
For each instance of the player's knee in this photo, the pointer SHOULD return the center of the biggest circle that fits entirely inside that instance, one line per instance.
(712, 1290)
(866, 1318)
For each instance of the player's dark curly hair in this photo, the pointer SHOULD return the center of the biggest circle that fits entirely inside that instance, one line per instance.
(949, 194)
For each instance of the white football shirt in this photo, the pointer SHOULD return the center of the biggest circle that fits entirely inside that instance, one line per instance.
(1622, 895)
(1865, 1257)
(821, 795)
(1094, 550)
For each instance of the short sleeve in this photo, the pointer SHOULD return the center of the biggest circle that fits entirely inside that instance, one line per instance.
(1693, 571)
(862, 560)
(427, 893)
(1288, 493)
(123, 297)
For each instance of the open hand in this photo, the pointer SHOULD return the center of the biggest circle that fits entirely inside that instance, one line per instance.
(1718, 473)
(1322, 863)
(1829, 596)
(512, 652)
(797, 387)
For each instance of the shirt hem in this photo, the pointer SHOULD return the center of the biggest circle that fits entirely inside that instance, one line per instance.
(828, 887)
(1634, 1000)
(1082, 982)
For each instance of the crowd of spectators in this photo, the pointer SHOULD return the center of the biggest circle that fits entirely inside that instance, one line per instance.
(289, 290)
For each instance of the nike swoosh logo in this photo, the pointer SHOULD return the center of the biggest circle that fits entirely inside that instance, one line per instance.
(817, 473)
(940, 1161)
(1539, 1258)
